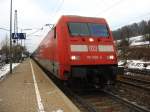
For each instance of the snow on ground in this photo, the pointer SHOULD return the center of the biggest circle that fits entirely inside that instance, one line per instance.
(5, 69)
(137, 38)
(121, 63)
(135, 64)
(136, 41)
(133, 39)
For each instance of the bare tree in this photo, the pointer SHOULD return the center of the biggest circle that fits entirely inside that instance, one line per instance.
(17, 50)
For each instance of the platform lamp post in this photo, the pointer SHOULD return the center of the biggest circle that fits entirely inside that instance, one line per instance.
(10, 49)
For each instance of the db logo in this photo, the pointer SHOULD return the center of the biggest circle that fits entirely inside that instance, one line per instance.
(93, 48)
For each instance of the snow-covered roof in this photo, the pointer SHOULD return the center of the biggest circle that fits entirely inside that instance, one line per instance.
(136, 41)
(135, 64)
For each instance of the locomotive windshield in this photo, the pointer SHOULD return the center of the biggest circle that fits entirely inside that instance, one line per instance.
(77, 29)
(88, 29)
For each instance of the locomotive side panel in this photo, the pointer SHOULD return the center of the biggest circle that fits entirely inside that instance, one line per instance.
(62, 49)
(47, 54)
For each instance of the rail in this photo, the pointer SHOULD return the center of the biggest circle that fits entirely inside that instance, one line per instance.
(139, 83)
(127, 102)
(144, 72)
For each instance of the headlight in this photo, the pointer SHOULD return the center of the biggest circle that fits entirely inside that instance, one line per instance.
(75, 57)
(111, 57)
(91, 39)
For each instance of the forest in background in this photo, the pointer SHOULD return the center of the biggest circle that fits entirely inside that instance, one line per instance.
(125, 51)
(132, 30)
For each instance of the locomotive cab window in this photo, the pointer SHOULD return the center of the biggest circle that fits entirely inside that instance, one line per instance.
(88, 29)
(78, 29)
(98, 30)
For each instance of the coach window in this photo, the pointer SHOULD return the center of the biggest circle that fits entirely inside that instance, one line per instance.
(78, 29)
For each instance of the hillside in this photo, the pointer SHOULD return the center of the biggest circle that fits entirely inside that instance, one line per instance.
(132, 30)
(134, 49)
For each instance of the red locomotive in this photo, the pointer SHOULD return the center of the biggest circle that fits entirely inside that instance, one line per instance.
(79, 47)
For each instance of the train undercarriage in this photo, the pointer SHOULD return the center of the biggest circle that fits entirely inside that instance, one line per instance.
(97, 75)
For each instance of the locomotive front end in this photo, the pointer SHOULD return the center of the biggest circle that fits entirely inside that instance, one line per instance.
(92, 52)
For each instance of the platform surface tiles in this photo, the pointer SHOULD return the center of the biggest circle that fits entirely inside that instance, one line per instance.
(28, 89)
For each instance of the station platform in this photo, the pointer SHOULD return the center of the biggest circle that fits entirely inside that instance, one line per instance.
(28, 89)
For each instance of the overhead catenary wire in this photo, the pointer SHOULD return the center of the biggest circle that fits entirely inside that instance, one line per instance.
(60, 6)
(47, 24)
(110, 7)
(39, 30)
(35, 31)
(5, 29)
(58, 9)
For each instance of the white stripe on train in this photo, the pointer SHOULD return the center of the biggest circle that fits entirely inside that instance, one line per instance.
(85, 48)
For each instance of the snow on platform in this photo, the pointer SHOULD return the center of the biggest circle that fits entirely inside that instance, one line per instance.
(6, 68)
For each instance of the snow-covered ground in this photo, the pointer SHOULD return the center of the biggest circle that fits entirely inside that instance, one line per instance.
(135, 64)
(136, 41)
(139, 43)
(5, 69)
(137, 38)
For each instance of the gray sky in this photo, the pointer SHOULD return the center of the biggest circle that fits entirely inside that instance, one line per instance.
(34, 14)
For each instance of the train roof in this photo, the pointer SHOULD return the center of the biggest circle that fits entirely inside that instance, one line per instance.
(77, 16)
(81, 18)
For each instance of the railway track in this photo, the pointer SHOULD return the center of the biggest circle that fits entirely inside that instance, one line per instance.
(138, 71)
(132, 105)
(136, 82)
(104, 101)
(93, 100)
(136, 88)
(136, 97)
(88, 100)
(101, 102)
